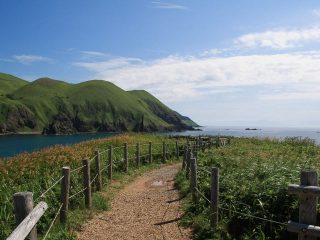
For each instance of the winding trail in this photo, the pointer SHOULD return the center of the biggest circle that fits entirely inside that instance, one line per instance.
(147, 208)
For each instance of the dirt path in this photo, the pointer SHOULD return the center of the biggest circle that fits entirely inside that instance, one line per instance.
(148, 208)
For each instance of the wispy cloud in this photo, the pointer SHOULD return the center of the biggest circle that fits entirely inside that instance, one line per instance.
(28, 59)
(166, 5)
(176, 78)
(93, 54)
(280, 38)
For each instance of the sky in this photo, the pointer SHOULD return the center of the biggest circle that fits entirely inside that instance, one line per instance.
(222, 63)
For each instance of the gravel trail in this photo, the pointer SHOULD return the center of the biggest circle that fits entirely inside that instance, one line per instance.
(147, 208)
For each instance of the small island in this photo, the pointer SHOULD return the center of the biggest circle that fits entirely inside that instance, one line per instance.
(253, 129)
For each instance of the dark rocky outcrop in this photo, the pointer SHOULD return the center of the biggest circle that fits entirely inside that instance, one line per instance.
(18, 117)
(62, 124)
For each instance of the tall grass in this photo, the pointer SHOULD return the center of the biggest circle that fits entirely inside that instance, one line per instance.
(37, 171)
(254, 175)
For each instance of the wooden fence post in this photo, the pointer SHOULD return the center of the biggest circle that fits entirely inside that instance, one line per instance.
(217, 142)
(308, 200)
(214, 197)
(177, 150)
(23, 205)
(138, 154)
(193, 180)
(65, 190)
(184, 159)
(125, 156)
(188, 162)
(110, 163)
(98, 170)
(164, 152)
(150, 152)
(86, 183)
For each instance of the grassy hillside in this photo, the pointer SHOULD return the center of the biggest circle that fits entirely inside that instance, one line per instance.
(9, 83)
(57, 107)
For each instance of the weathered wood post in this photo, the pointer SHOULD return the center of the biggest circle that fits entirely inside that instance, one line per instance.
(98, 170)
(164, 152)
(195, 154)
(125, 156)
(193, 180)
(188, 162)
(184, 159)
(86, 183)
(65, 190)
(150, 152)
(210, 143)
(217, 142)
(214, 197)
(110, 163)
(138, 154)
(177, 150)
(23, 205)
(308, 192)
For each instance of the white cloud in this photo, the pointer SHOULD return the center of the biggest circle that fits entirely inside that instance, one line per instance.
(279, 39)
(28, 59)
(89, 54)
(177, 78)
(166, 5)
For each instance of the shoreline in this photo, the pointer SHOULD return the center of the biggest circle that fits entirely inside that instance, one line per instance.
(94, 132)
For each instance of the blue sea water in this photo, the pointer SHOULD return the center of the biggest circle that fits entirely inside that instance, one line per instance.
(278, 133)
(11, 145)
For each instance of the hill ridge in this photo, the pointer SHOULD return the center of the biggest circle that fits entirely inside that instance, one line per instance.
(57, 107)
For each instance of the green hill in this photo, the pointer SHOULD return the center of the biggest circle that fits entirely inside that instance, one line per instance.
(57, 107)
(9, 83)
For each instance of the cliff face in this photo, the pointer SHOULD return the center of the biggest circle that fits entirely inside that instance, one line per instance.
(56, 107)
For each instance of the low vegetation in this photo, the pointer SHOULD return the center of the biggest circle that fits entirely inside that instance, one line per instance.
(37, 171)
(254, 175)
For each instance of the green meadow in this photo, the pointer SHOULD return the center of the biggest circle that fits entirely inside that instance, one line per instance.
(254, 176)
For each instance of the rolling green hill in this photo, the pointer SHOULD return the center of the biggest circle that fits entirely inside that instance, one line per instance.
(9, 83)
(57, 107)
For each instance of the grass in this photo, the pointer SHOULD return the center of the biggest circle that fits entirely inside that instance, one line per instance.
(95, 104)
(254, 176)
(37, 171)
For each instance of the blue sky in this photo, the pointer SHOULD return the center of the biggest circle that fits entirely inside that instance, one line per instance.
(249, 63)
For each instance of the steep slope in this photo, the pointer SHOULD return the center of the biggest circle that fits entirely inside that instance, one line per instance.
(57, 107)
(9, 83)
(162, 111)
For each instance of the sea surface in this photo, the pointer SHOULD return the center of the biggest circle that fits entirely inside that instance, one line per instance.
(278, 133)
(11, 145)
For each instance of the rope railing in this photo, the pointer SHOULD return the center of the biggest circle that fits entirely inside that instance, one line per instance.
(203, 196)
(192, 169)
(77, 193)
(53, 221)
(94, 178)
(157, 153)
(48, 189)
(255, 217)
(77, 169)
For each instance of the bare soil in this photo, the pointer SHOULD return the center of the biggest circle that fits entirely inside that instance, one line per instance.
(148, 208)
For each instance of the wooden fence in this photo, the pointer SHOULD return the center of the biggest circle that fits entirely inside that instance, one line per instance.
(308, 192)
(27, 216)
